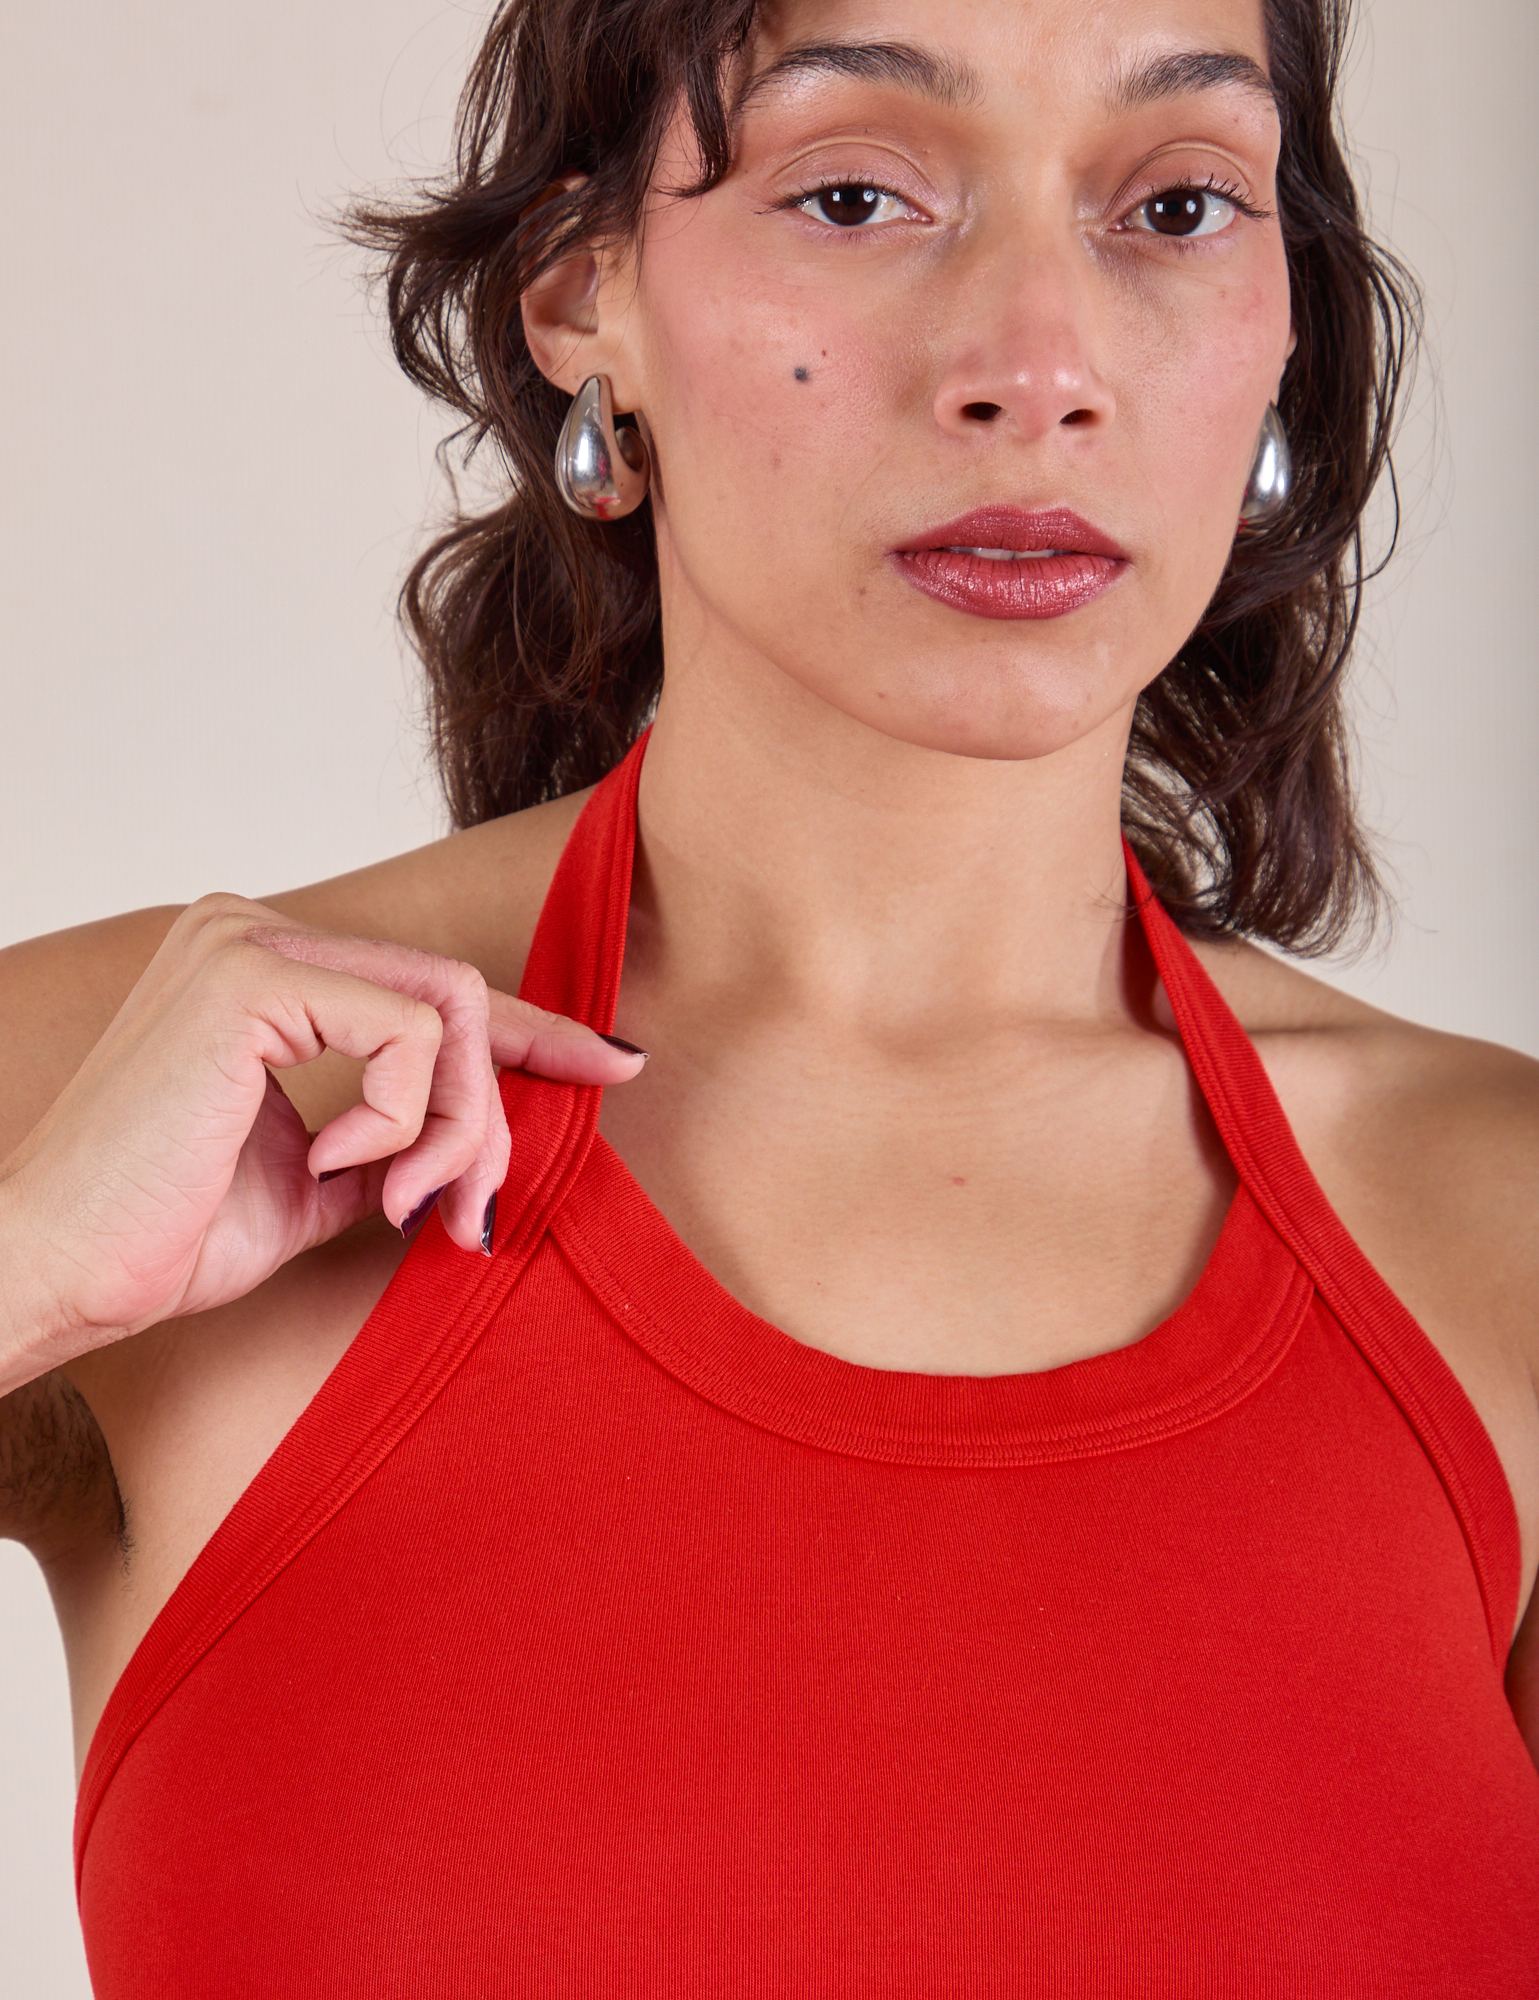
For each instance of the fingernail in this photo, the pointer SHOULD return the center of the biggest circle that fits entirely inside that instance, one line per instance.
(625, 1048)
(488, 1224)
(332, 1172)
(410, 1224)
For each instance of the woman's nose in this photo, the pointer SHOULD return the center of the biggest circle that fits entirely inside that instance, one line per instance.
(1020, 349)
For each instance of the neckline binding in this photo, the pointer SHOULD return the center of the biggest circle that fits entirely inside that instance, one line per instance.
(1219, 1344)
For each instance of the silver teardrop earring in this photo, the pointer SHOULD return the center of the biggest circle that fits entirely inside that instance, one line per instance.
(1271, 477)
(602, 472)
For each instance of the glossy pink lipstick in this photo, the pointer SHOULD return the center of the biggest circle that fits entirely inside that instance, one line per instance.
(1001, 562)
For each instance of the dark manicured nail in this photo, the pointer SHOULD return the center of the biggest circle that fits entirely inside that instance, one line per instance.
(488, 1224)
(410, 1224)
(332, 1172)
(625, 1048)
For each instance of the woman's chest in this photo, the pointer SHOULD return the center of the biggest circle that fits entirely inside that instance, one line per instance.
(951, 1218)
(591, 1676)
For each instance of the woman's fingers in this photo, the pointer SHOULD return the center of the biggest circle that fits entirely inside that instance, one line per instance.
(430, 1100)
(463, 1146)
(550, 1045)
(430, 1096)
(171, 1175)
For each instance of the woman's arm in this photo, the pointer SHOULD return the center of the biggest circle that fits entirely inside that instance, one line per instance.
(58, 995)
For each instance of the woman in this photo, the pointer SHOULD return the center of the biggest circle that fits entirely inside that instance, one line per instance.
(937, 1481)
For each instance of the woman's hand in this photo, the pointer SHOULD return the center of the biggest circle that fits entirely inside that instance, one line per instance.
(172, 1174)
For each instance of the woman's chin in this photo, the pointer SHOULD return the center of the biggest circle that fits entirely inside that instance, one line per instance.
(1015, 728)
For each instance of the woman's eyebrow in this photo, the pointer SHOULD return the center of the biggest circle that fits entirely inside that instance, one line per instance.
(926, 72)
(947, 79)
(1187, 70)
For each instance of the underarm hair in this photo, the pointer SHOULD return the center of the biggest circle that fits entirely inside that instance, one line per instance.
(55, 1470)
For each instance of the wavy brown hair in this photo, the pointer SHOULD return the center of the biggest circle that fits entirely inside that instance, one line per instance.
(541, 633)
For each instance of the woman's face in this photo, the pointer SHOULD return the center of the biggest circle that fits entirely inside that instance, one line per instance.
(1015, 255)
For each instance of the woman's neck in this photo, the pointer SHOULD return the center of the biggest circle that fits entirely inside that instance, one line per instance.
(794, 859)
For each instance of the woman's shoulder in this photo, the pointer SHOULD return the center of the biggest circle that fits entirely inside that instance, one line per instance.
(1370, 1070)
(474, 896)
(1426, 1143)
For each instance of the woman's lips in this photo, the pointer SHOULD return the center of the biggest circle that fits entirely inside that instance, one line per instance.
(1001, 562)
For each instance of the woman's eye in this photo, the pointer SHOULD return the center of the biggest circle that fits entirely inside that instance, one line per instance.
(850, 203)
(1185, 211)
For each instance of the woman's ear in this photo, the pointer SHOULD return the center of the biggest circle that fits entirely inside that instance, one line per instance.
(575, 313)
(561, 320)
(565, 321)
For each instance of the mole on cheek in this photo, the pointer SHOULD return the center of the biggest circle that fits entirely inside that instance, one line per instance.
(800, 374)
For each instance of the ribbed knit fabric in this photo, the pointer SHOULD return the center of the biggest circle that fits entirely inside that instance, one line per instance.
(587, 1636)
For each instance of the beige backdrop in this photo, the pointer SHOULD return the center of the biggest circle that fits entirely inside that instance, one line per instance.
(214, 479)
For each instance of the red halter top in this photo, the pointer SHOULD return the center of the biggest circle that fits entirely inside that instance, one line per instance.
(588, 1636)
